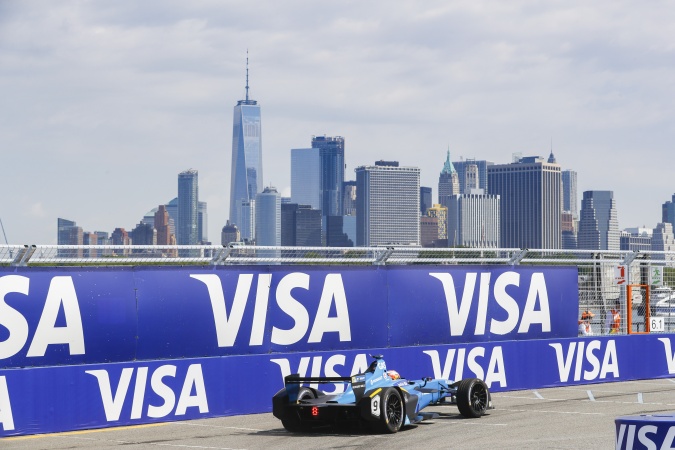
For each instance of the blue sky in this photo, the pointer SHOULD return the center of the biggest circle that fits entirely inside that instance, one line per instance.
(104, 103)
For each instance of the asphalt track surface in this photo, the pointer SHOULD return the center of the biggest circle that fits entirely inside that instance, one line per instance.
(556, 418)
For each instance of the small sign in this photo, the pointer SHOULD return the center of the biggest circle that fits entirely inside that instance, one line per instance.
(620, 275)
(656, 275)
(656, 324)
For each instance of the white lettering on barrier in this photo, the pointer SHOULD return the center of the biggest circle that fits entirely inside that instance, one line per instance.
(458, 313)
(670, 358)
(6, 418)
(112, 404)
(227, 326)
(61, 294)
(359, 365)
(495, 368)
(627, 434)
(575, 356)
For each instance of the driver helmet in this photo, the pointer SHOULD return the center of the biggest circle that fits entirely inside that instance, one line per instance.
(393, 374)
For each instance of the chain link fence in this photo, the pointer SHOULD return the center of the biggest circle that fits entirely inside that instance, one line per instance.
(620, 292)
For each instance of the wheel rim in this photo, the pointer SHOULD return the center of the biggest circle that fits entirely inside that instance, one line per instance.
(479, 398)
(394, 409)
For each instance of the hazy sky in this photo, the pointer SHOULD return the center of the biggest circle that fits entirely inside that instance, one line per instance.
(103, 103)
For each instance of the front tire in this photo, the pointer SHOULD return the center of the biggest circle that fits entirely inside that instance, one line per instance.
(292, 422)
(473, 398)
(391, 411)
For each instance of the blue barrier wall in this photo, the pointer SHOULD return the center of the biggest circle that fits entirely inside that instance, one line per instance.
(49, 399)
(87, 316)
(86, 348)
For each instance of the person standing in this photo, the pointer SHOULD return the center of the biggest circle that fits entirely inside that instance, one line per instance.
(613, 319)
(585, 324)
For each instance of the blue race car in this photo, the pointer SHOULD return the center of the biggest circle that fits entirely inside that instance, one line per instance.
(379, 397)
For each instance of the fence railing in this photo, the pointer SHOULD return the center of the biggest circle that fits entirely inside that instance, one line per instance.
(602, 274)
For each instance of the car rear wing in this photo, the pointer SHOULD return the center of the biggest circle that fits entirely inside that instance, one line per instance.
(293, 382)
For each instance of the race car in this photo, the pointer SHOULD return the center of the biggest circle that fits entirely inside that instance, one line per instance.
(379, 398)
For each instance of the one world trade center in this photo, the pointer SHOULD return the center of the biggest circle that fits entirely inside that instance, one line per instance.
(247, 174)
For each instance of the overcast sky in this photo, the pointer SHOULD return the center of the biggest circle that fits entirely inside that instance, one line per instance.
(103, 103)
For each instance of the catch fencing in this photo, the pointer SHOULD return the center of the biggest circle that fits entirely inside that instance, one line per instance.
(641, 284)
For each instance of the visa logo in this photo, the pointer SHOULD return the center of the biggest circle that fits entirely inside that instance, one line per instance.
(60, 296)
(228, 324)
(193, 381)
(536, 311)
(457, 360)
(589, 358)
(630, 435)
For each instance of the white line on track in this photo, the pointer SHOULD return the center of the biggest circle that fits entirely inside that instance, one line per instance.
(590, 395)
(187, 424)
(553, 412)
(538, 395)
(640, 399)
(153, 444)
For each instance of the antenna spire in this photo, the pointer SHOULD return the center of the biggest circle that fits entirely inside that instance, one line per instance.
(247, 75)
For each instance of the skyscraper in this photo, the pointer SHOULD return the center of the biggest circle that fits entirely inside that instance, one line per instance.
(349, 196)
(598, 223)
(387, 204)
(530, 202)
(668, 211)
(247, 170)
(426, 201)
(663, 240)
(332, 154)
(440, 212)
(448, 182)
(465, 167)
(69, 234)
(202, 223)
(268, 217)
(306, 177)
(473, 220)
(569, 182)
(187, 232)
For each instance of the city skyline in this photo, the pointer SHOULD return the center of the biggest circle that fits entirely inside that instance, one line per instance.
(98, 102)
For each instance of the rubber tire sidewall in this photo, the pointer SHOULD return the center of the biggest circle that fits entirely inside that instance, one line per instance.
(292, 422)
(384, 425)
(464, 392)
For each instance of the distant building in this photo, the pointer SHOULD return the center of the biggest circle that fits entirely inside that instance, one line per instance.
(246, 179)
(202, 223)
(440, 212)
(530, 198)
(247, 220)
(426, 200)
(230, 233)
(308, 227)
(268, 217)
(474, 220)
(663, 240)
(635, 241)
(161, 224)
(448, 182)
(465, 167)
(428, 231)
(288, 224)
(569, 230)
(598, 223)
(349, 198)
(306, 177)
(187, 229)
(336, 233)
(569, 190)
(387, 204)
(668, 212)
(143, 234)
(332, 154)
(120, 236)
(89, 238)
(69, 234)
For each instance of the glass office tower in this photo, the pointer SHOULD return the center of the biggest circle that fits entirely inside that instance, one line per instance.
(247, 173)
(332, 155)
(187, 230)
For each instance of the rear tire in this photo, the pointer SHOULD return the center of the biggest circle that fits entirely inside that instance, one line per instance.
(473, 398)
(292, 422)
(391, 411)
